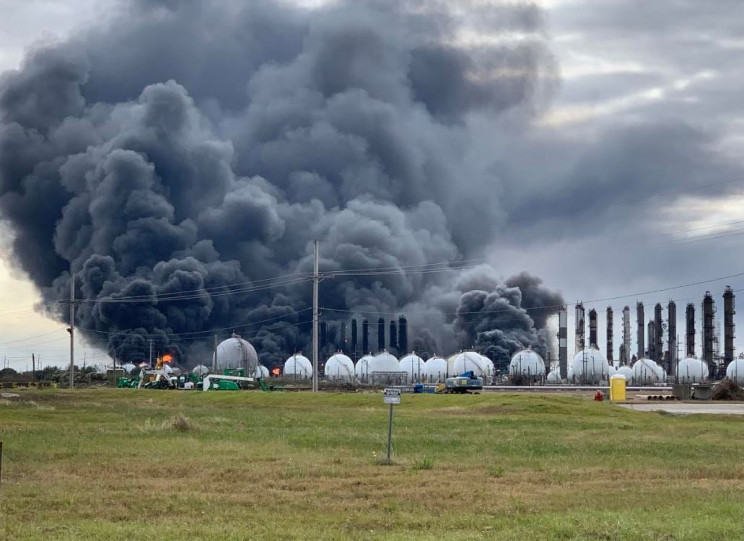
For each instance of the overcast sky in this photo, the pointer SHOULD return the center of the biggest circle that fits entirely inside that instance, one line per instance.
(626, 178)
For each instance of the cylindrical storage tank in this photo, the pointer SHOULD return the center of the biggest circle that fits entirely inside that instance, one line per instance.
(413, 366)
(589, 367)
(528, 364)
(200, 370)
(645, 372)
(362, 368)
(339, 368)
(554, 377)
(627, 372)
(692, 370)
(237, 353)
(468, 361)
(298, 367)
(735, 371)
(435, 370)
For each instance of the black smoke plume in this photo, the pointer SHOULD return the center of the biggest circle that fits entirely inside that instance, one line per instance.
(181, 155)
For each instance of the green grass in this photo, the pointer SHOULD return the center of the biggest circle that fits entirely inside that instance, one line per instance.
(126, 464)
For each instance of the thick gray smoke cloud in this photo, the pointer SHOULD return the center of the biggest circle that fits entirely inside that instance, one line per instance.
(184, 153)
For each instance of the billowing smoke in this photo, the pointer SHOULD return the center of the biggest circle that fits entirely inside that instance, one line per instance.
(182, 157)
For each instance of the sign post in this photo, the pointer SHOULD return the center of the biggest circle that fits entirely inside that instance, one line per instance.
(392, 397)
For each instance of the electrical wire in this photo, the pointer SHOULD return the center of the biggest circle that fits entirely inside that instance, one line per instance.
(207, 332)
(551, 306)
(712, 226)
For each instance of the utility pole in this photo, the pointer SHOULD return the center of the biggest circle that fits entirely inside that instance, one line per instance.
(316, 279)
(33, 366)
(150, 353)
(214, 356)
(72, 329)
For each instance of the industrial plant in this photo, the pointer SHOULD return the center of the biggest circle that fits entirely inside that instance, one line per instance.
(352, 360)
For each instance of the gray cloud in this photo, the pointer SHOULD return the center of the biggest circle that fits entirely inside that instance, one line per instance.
(254, 130)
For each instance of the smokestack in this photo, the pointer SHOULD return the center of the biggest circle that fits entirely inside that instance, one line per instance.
(403, 335)
(342, 343)
(563, 342)
(672, 330)
(658, 335)
(729, 309)
(323, 334)
(610, 331)
(354, 343)
(625, 354)
(393, 335)
(708, 331)
(580, 327)
(381, 334)
(651, 339)
(365, 337)
(690, 330)
(593, 328)
(641, 322)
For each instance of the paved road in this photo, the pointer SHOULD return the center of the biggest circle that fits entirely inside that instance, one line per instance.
(685, 408)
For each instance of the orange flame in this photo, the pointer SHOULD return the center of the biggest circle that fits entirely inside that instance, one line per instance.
(275, 371)
(167, 358)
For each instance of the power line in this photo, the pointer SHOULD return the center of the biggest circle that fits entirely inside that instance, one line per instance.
(207, 332)
(712, 226)
(30, 337)
(545, 307)
(157, 298)
(712, 236)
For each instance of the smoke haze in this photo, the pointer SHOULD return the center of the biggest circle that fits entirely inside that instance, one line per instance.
(182, 155)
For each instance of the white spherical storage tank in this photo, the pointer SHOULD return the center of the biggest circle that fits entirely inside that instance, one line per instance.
(362, 368)
(413, 366)
(200, 370)
(646, 372)
(735, 371)
(589, 366)
(339, 368)
(384, 362)
(385, 370)
(260, 372)
(527, 363)
(128, 368)
(435, 370)
(627, 372)
(298, 367)
(468, 361)
(692, 370)
(490, 369)
(554, 377)
(236, 353)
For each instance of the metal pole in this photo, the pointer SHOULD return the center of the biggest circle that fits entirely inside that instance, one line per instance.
(315, 316)
(214, 356)
(72, 330)
(150, 353)
(390, 431)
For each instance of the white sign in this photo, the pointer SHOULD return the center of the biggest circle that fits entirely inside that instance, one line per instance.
(391, 396)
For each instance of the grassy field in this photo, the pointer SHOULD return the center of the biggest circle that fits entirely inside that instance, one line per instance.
(126, 464)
